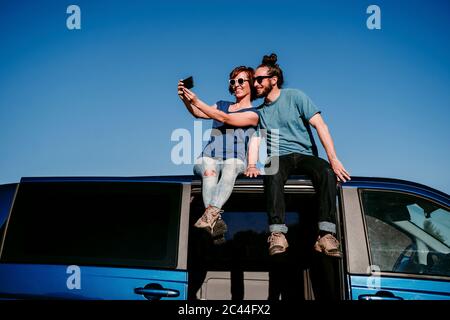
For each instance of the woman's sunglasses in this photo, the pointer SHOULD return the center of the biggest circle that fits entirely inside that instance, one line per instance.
(239, 81)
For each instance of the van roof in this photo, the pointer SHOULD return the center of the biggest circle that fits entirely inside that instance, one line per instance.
(356, 182)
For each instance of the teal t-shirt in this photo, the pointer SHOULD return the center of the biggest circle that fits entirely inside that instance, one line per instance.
(290, 114)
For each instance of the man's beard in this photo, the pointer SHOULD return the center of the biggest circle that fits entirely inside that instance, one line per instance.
(265, 92)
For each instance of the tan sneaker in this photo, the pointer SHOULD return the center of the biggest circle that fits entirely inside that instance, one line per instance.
(277, 243)
(328, 245)
(209, 218)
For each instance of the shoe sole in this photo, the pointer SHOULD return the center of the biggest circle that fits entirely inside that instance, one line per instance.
(334, 254)
(277, 250)
(331, 253)
(274, 252)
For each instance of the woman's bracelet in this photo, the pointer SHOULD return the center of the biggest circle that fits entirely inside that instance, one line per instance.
(251, 166)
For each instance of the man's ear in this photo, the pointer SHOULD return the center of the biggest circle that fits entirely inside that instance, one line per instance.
(274, 80)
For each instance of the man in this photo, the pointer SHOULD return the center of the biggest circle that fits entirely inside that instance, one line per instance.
(290, 113)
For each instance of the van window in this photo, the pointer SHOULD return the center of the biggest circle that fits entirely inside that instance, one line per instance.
(407, 233)
(246, 249)
(94, 223)
(7, 192)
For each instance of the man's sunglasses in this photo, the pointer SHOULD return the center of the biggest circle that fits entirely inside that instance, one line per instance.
(261, 78)
(239, 81)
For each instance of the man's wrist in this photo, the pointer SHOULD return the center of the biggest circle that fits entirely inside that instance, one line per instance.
(332, 158)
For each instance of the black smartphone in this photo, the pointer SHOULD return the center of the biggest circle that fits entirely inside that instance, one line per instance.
(188, 83)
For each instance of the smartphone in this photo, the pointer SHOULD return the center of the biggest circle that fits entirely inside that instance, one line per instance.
(188, 83)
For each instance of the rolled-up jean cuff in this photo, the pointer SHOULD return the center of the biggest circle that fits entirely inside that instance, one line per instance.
(278, 228)
(327, 226)
(214, 204)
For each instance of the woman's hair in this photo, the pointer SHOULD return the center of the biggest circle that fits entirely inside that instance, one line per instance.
(270, 62)
(249, 71)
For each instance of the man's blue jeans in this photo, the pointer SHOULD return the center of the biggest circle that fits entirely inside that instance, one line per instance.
(216, 190)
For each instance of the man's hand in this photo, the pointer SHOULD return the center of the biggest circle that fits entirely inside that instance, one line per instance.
(341, 174)
(252, 172)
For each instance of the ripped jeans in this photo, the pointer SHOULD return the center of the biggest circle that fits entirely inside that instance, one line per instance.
(215, 190)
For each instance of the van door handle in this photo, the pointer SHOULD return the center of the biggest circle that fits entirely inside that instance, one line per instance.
(158, 292)
(380, 295)
(155, 291)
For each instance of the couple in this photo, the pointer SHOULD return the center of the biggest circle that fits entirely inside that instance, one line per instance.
(286, 116)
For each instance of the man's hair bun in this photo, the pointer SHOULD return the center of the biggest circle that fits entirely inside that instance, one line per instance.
(274, 70)
(270, 60)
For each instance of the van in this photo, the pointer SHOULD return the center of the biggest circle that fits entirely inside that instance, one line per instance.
(133, 238)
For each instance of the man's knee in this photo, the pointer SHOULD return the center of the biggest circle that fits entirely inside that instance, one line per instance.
(329, 174)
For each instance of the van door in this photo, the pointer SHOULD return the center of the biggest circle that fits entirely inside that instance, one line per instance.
(240, 268)
(96, 240)
(404, 245)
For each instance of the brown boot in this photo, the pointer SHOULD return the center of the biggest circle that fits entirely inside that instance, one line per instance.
(277, 243)
(209, 218)
(328, 245)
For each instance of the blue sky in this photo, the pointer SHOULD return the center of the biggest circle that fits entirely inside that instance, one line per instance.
(102, 101)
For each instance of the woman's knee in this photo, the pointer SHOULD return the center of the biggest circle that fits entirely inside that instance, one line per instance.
(204, 171)
(209, 173)
(205, 167)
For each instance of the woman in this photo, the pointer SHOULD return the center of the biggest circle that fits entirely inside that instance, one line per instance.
(226, 152)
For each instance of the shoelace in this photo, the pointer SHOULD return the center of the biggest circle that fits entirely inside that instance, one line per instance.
(331, 241)
(208, 216)
(274, 237)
